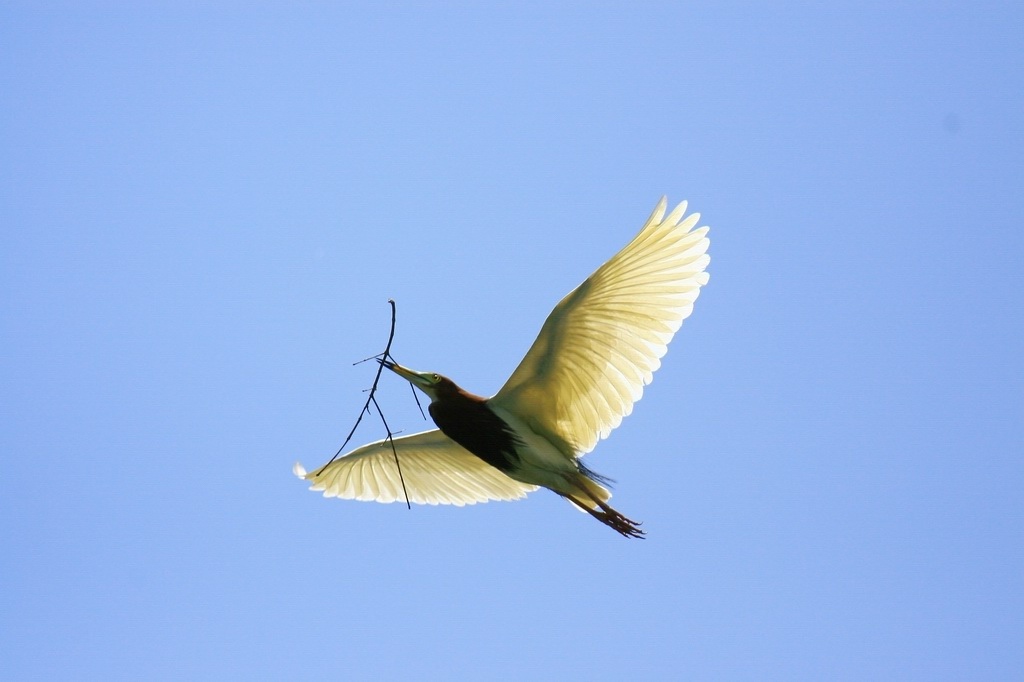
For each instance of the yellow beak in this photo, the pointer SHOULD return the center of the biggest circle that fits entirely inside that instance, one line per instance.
(418, 379)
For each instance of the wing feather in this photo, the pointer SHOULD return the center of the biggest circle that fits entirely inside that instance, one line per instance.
(603, 342)
(436, 470)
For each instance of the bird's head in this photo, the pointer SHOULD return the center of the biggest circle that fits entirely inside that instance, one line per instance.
(431, 383)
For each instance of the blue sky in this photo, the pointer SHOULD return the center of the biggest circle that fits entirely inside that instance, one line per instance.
(203, 212)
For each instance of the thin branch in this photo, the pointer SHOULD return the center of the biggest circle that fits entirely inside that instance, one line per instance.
(366, 408)
(391, 439)
(417, 399)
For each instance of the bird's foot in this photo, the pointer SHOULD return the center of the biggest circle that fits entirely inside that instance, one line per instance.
(626, 527)
(605, 514)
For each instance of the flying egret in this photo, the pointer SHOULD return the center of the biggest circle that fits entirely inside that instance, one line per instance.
(595, 353)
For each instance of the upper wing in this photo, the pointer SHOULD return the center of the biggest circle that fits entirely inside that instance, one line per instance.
(602, 343)
(436, 470)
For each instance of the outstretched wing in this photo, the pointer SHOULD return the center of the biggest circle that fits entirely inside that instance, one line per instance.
(602, 343)
(436, 470)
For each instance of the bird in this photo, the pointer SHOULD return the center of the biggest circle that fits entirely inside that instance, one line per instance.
(589, 364)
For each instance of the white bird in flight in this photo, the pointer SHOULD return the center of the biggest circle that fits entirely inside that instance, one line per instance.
(595, 353)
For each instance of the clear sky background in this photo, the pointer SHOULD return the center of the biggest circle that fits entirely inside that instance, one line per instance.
(203, 212)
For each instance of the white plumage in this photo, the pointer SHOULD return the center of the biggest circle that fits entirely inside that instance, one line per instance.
(436, 471)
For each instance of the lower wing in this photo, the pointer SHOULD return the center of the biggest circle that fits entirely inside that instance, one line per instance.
(436, 470)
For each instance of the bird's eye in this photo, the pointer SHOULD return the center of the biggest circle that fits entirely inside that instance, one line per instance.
(435, 377)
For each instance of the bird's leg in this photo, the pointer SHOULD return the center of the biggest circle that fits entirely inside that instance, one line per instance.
(611, 518)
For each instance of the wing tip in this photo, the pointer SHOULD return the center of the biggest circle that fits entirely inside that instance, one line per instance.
(658, 214)
(299, 470)
(677, 217)
(673, 218)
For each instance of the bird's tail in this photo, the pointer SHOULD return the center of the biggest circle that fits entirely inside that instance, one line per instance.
(589, 486)
(593, 494)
